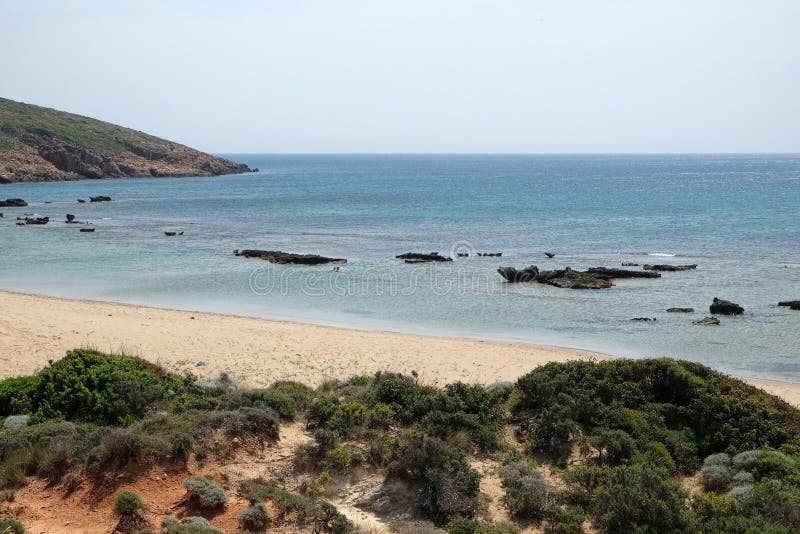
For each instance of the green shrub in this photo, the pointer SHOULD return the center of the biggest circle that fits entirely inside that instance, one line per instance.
(636, 496)
(346, 418)
(187, 525)
(322, 409)
(615, 446)
(564, 521)
(205, 493)
(127, 503)
(527, 493)
(469, 526)
(93, 387)
(11, 526)
(339, 459)
(450, 487)
(255, 518)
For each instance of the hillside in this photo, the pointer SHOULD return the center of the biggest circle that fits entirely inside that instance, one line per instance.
(40, 145)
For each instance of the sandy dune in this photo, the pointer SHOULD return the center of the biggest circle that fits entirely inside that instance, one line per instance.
(35, 329)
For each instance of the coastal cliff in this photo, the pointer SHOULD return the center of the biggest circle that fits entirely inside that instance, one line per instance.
(42, 145)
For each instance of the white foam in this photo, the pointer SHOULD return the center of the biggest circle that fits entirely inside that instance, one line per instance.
(662, 254)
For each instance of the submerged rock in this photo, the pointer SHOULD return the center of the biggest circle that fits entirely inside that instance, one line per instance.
(550, 254)
(629, 264)
(100, 198)
(87, 230)
(644, 319)
(13, 203)
(417, 257)
(791, 304)
(670, 267)
(37, 220)
(569, 279)
(707, 321)
(287, 258)
(490, 254)
(680, 310)
(725, 307)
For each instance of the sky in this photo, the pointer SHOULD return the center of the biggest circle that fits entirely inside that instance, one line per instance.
(460, 76)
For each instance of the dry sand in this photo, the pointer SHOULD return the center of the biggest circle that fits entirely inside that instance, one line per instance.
(35, 329)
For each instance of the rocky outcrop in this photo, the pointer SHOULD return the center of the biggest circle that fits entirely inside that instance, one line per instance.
(621, 273)
(50, 145)
(37, 220)
(669, 267)
(13, 203)
(707, 321)
(287, 258)
(100, 198)
(417, 257)
(550, 255)
(528, 274)
(680, 310)
(490, 254)
(569, 279)
(791, 304)
(725, 307)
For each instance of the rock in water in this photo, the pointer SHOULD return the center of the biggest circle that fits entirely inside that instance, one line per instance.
(569, 279)
(621, 273)
(680, 310)
(100, 198)
(791, 304)
(550, 255)
(13, 203)
(670, 267)
(37, 220)
(527, 274)
(70, 218)
(417, 257)
(725, 307)
(286, 258)
(707, 321)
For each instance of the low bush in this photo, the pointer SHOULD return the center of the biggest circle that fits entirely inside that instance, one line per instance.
(469, 526)
(527, 494)
(205, 493)
(11, 526)
(127, 503)
(255, 518)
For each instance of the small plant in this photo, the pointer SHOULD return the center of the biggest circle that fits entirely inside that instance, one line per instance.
(205, 493)
(11, 526)
(127, 503)
(255, 518)
(528, 494)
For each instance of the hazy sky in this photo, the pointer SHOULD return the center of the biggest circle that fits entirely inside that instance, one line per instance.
(418, 76)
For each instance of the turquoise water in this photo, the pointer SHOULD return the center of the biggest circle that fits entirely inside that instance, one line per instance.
(735, 216)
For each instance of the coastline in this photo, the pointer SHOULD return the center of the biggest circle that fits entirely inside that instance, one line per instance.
(255, 351)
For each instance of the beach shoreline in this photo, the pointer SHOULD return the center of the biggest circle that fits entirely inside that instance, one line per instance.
(35, 329)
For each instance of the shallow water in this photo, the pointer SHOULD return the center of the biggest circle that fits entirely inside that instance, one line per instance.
(735, 216)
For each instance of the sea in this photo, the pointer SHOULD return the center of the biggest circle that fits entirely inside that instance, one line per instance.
(736, 216)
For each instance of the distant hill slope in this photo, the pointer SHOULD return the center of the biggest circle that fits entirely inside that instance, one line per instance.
(40, 144)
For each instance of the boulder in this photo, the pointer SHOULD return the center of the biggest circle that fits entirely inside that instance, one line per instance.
(13, 203)
(418, 257)
(37, 220)
(70, 218)
(791, 304)
(528, 274)
(100, 198)
(382, 505)
(725, 307)
(680, 310)
(81, 201)
(670, 267)
(621, 273)
(707, 321)
(287, 258)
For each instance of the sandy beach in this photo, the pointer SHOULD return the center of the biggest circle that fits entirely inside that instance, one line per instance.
(35, 329)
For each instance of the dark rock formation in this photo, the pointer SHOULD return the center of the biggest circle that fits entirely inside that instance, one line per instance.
(81, 201)
(569, 279)
(416, 257)
(669, 267)
(528, 274)
(100, 198)
(707, 321)
(70, 218)
(462, 254)
(680, 310)
(791, 304)
(644, 319)
(725, 307)
(286, 258)
(490, 254)
(170, 233)
(37, 220)
(13, 203)
(87, 229)
(621, 273)
(629, 264)
(549, 254)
